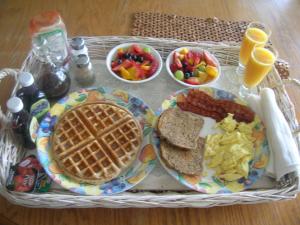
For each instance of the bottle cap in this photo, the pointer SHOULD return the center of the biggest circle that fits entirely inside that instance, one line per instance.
(14, 104)
(77, 43)
(82, 61)
(26, 79)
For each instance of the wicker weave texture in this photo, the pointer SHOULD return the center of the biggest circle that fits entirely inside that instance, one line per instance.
(98, 49)
(159, 25)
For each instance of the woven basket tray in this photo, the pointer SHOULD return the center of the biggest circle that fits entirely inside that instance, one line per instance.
(10, 153)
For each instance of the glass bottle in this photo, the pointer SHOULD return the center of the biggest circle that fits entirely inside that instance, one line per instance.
(54, 81)
(33, 98)
(49, 38)
(20, 121)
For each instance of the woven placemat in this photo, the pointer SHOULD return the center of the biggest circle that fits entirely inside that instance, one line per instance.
(194, 29)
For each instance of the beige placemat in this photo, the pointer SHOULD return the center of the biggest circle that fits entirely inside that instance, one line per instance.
(194, 29)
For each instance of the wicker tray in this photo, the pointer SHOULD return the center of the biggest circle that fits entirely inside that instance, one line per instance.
(10, 152)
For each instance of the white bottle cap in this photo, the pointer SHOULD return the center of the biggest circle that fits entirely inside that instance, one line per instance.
(26, 79)
(14, 104)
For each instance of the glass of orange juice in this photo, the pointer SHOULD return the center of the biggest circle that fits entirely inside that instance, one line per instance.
(257, 34)
(258, 66)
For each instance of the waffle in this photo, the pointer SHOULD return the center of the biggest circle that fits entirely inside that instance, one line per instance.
(94, 142)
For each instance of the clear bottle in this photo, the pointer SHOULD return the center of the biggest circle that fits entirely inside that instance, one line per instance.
(83, 71)
(54, 81)
(78, 47)
(49, 37)
(20, 121)
(33, 98)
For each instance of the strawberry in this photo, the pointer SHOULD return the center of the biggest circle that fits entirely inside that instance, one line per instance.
(139, 72)
(173, 67)
(208, 59)
(137, 49)
(114, 64)
(189, 58)
(125, 64)
(178, 63)
(190, 68)
(148, 56)
(197, 57)
(193, 81)
(154, 67)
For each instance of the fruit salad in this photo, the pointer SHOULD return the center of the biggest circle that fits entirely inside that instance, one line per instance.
(134, 63)
(193, 67)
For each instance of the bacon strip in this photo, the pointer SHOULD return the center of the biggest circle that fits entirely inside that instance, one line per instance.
(203, 104)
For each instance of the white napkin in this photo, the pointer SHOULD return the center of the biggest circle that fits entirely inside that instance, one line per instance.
(284, 155)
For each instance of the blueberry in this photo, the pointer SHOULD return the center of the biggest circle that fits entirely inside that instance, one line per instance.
(127, 55)
(187, 75)
(140, 59)
(119, 61)
(134, 57)
(184, 64)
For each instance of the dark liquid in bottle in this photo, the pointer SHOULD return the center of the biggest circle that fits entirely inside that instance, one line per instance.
(54, 81)
(30, 95)
(20, 125)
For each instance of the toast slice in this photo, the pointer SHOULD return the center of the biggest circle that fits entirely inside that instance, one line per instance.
(180, 128)
(186, 162)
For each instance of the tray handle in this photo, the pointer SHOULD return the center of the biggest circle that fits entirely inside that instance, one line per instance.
(289, 81)
(4, 119)
(295, 82)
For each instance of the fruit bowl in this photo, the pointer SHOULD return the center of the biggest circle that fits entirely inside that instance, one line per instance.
(134, 62)
(193, 67)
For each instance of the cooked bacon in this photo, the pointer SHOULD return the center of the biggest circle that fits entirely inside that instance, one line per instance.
(201, 103)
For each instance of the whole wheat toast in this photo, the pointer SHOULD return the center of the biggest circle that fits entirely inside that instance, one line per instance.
(180, 128)
(186, 162)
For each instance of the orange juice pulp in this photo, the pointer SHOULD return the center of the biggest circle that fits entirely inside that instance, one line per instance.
(253, 37)
(259, 64)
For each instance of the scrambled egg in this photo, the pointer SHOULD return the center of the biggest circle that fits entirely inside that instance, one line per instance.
(229, 153)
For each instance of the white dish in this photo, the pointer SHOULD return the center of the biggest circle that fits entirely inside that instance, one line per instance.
(170, 60)
(112, 54)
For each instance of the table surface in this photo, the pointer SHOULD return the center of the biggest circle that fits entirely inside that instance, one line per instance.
(114, 17)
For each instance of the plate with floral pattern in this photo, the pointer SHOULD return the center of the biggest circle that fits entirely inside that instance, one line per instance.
(207, 182)
(146, 157)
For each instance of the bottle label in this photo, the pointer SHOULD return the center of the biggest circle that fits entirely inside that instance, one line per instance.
(53, 43)
(33, 129)
(39, 109)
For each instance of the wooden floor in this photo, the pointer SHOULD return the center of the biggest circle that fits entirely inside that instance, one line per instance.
(114, 17)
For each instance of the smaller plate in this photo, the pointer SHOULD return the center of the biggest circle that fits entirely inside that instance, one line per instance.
(141, 167)
(207, 182)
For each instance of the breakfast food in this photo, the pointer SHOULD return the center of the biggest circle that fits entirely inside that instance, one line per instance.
(134, 63)
(186, 162)
(180, 128)
(180, 144)
(230, 153)
(203, 104)
(94, 142)
(193, 67)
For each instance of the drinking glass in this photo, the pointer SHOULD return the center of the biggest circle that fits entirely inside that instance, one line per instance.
(256, 35)
(259, 65)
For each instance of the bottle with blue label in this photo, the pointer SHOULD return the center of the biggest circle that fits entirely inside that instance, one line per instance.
(34, 100)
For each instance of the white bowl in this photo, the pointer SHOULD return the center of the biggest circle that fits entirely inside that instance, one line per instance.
(196, 49)
(112, 55)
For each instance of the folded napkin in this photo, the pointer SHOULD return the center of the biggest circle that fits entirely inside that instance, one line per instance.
(284, 154)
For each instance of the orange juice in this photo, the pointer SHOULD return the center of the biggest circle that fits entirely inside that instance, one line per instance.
(253, 37)
(259, 64)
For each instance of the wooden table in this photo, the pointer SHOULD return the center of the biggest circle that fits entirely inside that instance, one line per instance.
(114, 17)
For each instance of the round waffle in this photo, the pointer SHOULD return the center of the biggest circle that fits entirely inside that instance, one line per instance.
(95, 142)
